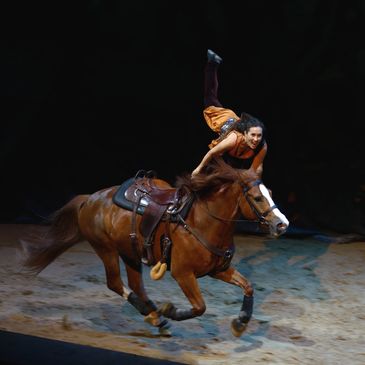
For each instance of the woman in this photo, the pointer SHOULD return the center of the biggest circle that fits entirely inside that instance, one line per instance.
(241, 141)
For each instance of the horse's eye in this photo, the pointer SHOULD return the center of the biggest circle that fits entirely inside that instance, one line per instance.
(258, 199)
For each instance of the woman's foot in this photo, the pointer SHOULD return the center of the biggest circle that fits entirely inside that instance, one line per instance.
(213, 57)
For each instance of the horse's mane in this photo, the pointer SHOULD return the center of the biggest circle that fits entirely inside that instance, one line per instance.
(216, 174)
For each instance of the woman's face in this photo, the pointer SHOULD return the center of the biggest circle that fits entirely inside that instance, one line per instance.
(253, 137)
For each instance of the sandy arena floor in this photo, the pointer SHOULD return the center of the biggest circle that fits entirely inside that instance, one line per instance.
(309, 305)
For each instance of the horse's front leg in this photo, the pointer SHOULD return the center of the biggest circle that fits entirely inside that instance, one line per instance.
(189, 285)
(232, 276)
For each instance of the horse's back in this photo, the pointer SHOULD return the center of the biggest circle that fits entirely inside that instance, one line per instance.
(102, 221)
(98, 215)
(162, 184)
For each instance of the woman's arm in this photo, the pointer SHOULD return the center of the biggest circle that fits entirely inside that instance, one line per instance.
(225, 145)
(257, 163)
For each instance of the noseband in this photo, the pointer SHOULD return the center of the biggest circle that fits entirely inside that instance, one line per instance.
(260, 216)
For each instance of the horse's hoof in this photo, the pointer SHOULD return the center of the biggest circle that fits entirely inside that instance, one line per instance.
(164, 331)
(237, 327)
(167, 309)
(156, 320)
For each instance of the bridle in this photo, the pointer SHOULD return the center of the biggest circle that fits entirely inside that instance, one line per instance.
(261, 216)
(227, 254)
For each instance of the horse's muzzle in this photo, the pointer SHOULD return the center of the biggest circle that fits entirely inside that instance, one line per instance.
(280, 229)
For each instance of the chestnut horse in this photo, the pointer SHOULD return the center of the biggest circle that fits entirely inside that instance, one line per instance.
(202, 241)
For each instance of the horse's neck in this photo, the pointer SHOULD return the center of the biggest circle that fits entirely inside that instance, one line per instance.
(219, 210)
(225, 201)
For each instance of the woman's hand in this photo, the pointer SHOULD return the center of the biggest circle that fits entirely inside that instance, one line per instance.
(196, 171)
(225, 145)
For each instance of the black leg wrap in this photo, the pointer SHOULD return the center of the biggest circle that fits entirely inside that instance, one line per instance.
(246, 309)
(182, 314)
(151, 306)
(170, 311)
(164, 324)
(139, 304)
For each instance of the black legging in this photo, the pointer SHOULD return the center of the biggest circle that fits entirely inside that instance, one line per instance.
(211, 85)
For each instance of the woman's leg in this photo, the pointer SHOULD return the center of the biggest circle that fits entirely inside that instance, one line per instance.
(211, 80)
(214, 113)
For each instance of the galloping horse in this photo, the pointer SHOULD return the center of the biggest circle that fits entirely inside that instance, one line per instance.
(200, 240)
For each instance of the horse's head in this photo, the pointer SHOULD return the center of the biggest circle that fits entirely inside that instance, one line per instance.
(258, 204)
(255, 201)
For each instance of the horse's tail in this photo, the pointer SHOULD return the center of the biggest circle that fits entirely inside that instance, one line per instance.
(40, 249)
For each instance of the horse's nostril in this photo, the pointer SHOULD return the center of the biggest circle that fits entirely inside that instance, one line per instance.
(282, 227)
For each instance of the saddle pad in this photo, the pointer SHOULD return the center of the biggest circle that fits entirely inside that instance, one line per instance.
(120, 199)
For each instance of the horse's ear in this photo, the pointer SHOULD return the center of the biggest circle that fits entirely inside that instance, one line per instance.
(252, 171)
(270, 191)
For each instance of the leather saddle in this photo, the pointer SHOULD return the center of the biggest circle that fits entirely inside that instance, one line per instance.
(155, 204)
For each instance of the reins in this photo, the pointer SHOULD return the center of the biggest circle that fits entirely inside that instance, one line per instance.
(227, 219)
(260, 216)
(227, 254)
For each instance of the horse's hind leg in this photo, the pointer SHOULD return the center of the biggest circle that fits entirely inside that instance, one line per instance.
(110, 259)
(232, 276)
(139, 299)
(112, 271)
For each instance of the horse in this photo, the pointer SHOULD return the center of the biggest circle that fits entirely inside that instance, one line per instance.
(200, 241)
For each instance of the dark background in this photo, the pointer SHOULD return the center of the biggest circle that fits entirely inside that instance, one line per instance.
(93, 91)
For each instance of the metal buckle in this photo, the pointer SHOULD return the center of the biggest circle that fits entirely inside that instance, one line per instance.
(228, 254)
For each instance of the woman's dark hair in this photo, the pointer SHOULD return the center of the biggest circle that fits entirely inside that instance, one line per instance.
(247, 121)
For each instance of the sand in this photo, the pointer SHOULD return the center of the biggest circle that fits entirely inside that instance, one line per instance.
(309, 305)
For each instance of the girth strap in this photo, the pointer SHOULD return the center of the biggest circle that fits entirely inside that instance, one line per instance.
(133, 234)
